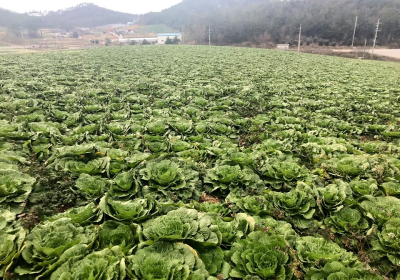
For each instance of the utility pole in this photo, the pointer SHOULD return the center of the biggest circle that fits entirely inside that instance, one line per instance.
(354, 33)
(365, 46)
(376, 36)
(22, 36)
(57, 40)
(298, 47)
(209, 35)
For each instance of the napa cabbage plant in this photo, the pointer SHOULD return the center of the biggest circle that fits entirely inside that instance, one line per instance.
(212, 207)
(135, 210)
(387, 242)
(169, 179)
(90, 187)
(12, 241)
(15, 188)
(214, 261)
(108, 263)
(182, 126)
(316, 252)
(261, 255)
(164, 260)
(381, 209)
(349, 165)
(228, 178)
(185, 225)
(364, 187)
(83, 215)
(336, 270)
(333, 195)
(177, 145)
(158, 127)
(253, 205)
(282, 168)
(72, 151)
(123, 186)
(136, 158)
(155, 143)
(232, 230)
(113, 233)
(298, 202)
(347, 220)
(234, 157)
(282, 228)
(47, 242)
(391, 188)
(73, 165)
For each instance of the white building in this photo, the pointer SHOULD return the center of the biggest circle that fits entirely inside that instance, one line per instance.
(284, 47)
(137, 40)
(163, 37)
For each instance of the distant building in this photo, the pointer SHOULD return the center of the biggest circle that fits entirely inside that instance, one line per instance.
(137, 40)
(122, 32)
(284, 47)
(161, 38)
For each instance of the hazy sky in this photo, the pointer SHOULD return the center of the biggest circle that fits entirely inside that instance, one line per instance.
(132, 6)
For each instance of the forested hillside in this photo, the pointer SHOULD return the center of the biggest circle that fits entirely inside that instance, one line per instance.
(324, 22)
(83, 15)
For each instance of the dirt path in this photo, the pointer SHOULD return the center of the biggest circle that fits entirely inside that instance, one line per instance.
(395, 53)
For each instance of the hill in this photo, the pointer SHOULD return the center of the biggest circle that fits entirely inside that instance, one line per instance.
(324, 22)
(83, 15)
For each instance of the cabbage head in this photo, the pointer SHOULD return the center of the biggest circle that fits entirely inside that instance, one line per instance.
(251, 204)
(47, 242)
(238, 228)
(83, 215)
(381, 209)
(170, 179)
(12, 240)
(334, 195)
(347, 220)
(227, 178)
(15, 188)
(388, 241)
(184, 225)
(164, 260)
(277, 227)
(364, 187)
(336, 270)
(112, 233)
(107, 264)
(350, 165)
(123, 186)
(182, 126)
(297, 202)
(90, 187)
(391, 188)
(214, 261)
(135, 210)
(286, 170)
(261, 255)
(316, 251)
(210, 207)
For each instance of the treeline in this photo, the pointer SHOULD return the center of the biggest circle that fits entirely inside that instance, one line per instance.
(83, 15)
(324, 22)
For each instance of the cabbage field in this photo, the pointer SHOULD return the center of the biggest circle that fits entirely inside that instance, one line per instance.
(190, 162)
